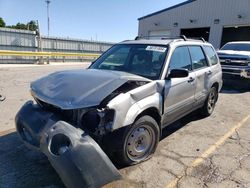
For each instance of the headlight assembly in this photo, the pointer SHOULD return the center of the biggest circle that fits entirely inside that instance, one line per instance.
(98, 120)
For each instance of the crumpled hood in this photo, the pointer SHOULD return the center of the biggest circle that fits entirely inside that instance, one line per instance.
(76, 89)
(244, 54)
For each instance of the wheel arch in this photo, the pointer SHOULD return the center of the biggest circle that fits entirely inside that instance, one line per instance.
(152, 112)
(216, 85)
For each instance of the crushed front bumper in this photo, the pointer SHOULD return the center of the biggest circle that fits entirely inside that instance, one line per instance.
(76, 157)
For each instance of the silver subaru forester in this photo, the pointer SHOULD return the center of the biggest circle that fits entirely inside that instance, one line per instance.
(118, 106)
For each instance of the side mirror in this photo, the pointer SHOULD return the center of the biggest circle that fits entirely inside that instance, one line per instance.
(178, 73)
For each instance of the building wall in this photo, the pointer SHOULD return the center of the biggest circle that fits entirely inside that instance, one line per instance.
(22, 40)
(204, 12)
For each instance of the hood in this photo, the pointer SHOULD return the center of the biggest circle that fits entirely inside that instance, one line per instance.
(244, 54)
(76, 89)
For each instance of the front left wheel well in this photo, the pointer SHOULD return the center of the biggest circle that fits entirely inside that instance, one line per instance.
(152, 112)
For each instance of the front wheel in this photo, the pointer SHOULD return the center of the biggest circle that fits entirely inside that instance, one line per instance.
(210, 102)
(140, 141)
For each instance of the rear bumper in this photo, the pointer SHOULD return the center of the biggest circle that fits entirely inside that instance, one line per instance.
(241, 71)
(76, 157)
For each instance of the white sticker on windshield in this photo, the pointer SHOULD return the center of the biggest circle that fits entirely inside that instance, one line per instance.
(156, 48)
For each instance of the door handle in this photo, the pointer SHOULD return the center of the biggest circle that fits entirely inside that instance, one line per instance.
(191, 79)
(209, 72)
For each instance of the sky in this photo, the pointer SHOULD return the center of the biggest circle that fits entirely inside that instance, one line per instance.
(103, 20)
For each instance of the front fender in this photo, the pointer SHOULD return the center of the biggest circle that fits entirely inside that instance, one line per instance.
(153, 101)
(129, 105)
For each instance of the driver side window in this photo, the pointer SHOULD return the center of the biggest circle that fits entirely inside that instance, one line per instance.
(180, 59)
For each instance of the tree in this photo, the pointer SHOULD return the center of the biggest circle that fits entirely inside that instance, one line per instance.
(32, 26)
(21, 26)
(2, 23)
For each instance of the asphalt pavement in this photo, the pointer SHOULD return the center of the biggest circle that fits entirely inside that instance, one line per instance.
(193, 152)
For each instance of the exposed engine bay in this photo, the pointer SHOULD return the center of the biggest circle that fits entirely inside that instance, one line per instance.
(95, 120)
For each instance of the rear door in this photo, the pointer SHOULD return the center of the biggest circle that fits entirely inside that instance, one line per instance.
(214, 62)
(202, 72)
(179, 92)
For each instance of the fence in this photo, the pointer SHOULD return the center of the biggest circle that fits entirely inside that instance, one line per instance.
(28, 41)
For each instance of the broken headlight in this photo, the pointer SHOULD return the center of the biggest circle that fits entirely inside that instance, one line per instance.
(98, 121)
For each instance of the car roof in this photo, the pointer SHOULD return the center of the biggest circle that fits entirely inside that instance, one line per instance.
(163, 41)
(144, 41)
(239, 42)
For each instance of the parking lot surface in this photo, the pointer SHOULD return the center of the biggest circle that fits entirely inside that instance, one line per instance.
(193, 152)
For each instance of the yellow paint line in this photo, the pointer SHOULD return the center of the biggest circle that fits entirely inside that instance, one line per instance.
(46, 54)
(210, 150)
(2, 133)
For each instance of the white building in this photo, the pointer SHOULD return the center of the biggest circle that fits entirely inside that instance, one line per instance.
(217, 21)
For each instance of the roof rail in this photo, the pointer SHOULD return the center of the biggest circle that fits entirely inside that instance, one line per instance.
(137, 38)
(183, 37)
(201, 38)
(162, 37)
(197, 38)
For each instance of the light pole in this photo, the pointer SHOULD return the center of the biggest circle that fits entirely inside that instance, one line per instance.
(48, 2)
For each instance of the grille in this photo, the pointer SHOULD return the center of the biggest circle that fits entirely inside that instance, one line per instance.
(231, 71)
(234, 63)
(234, 58)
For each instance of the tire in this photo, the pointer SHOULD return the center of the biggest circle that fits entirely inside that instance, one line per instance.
(210, 102)
(138, 143)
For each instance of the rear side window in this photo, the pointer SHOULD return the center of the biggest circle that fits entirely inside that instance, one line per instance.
(180, 59)
(211, 55)
(198, 57)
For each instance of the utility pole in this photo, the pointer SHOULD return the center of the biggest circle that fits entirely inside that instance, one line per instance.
(38, 33)
(39, 42)
(48, 2)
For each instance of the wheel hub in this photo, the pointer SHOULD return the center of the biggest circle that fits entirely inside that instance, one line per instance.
(211, 101)
(139, 142)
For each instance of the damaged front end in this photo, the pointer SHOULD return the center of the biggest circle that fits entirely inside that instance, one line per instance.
(76, 157)
(71, 119)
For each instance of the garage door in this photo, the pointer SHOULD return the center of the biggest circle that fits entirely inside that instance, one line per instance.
(163, 33)
(196, 32)
(236, 33)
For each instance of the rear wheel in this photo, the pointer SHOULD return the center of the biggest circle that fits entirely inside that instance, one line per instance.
(210, 102)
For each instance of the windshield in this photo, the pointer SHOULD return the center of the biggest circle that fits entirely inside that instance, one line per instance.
(141, 59)
(236, 47)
